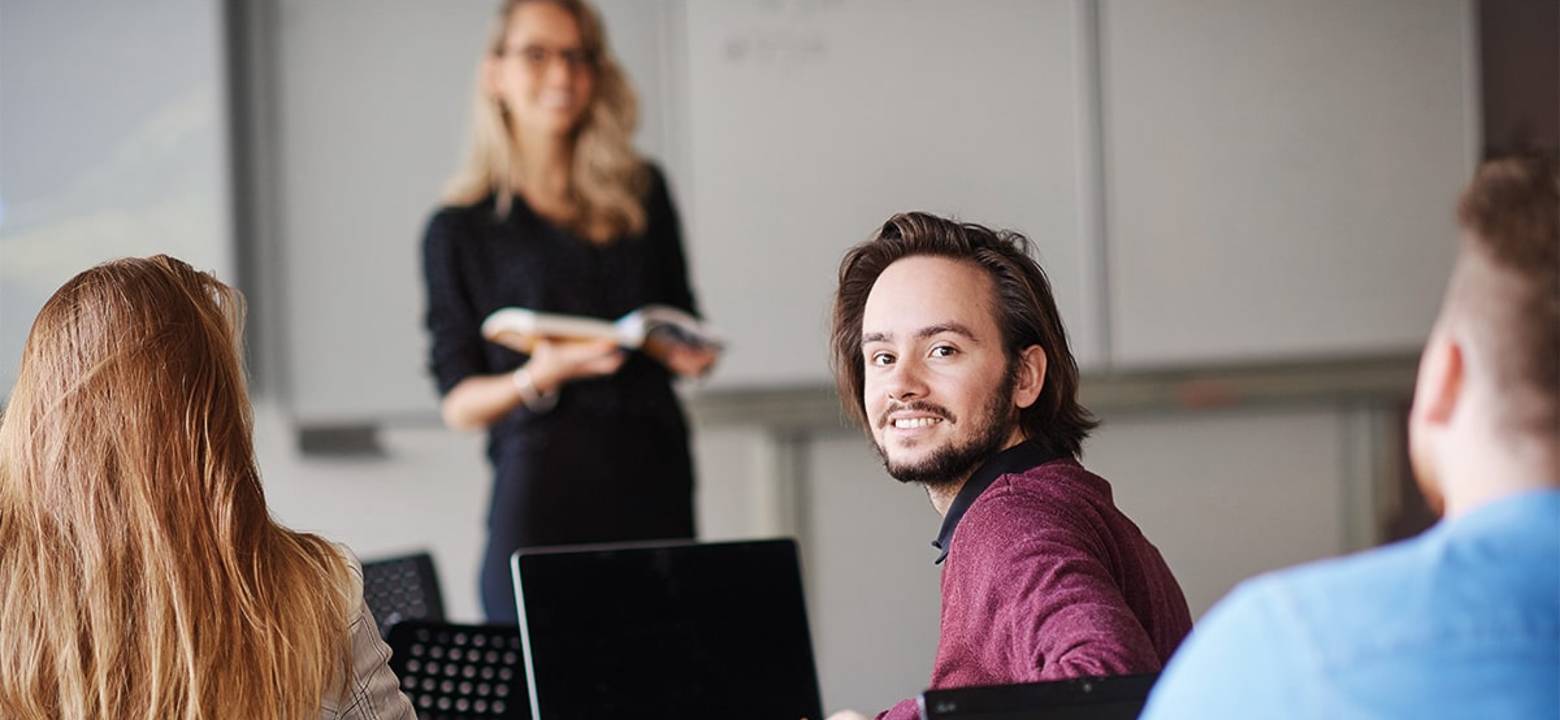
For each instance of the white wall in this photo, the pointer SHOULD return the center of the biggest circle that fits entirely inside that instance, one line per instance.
(873, 587)
(429, 492)
(1280, 175)
(1228, 495)
(113, 142)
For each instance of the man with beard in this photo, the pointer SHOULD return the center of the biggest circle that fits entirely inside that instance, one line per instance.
(948, 348)
(1462, 621)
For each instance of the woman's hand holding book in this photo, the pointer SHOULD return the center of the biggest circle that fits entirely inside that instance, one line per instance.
(554, 363)
(685, 360)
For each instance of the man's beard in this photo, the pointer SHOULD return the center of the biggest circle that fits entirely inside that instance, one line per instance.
(952, 462)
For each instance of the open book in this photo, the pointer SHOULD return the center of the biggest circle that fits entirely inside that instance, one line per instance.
(519, 327)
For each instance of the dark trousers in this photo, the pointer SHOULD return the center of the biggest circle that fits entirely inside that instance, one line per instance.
(670, 519)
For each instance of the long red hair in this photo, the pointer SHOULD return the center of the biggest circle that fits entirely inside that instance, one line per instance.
(141, 575)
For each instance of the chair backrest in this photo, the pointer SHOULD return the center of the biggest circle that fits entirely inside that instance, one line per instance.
(460, 672)
(402, 588)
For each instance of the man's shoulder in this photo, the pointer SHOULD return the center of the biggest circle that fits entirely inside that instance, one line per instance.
(1048, 500)
(1059, 490)
(1062, 482)
(1254, 649)
(1244, 658)
(1336, 595)
(1377, 566)
(1384, 604)
(1384, 626)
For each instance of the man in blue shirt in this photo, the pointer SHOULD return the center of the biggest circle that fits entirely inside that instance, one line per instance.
(1464, 620)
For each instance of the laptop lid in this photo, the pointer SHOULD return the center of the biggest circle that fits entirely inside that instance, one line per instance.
(686, 630)
(1104, 698)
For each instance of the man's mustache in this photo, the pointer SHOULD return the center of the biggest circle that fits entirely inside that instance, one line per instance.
(917, 406)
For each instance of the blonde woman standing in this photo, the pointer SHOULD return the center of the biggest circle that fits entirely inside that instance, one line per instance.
(141, 575)
(554, 211)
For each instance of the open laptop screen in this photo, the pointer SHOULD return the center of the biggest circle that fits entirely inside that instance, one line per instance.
(674, 630)
(1106, 698)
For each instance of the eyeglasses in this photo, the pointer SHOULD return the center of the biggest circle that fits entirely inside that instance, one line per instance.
(537, 58)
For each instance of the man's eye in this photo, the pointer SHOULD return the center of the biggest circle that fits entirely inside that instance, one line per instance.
(881, 359)
(943, 351)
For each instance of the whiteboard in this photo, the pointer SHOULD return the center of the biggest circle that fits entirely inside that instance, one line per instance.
(113, 143)
(1281, 175)
(810, 122)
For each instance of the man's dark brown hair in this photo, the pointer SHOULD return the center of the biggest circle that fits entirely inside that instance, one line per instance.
(1026, 315)
(1511, 215)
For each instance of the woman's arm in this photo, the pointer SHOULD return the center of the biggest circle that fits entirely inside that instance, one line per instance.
(371, 692)
(455, 350)
(666, 237)
(480, 400)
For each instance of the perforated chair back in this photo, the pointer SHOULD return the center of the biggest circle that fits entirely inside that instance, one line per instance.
(402, 588)
(460, 672)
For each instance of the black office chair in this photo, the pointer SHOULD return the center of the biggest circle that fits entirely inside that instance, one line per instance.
(460, 672)
(402, 588)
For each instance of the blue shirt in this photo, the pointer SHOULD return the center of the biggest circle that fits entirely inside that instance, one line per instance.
(1460, 622)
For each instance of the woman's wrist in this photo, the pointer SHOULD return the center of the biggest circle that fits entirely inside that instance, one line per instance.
(544, 377)
(536, 396)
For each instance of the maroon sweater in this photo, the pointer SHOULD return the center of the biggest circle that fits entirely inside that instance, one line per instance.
(1045, 579)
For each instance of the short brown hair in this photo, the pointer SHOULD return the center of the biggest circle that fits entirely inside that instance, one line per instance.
(1511, 215)
(1025, 307)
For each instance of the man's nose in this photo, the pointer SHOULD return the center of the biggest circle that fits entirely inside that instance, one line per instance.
(906, 382)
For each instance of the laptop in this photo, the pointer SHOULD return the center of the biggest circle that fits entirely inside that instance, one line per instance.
(1101, 698)
(685, 630)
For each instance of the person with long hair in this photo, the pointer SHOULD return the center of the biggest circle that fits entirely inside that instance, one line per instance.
(141, 575)
(554, 211)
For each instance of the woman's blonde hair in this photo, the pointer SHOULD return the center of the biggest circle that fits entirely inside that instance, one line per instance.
(607, 179)
(141, 575)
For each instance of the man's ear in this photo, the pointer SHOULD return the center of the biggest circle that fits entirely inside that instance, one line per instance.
(1441, 379)
(1031, 376)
